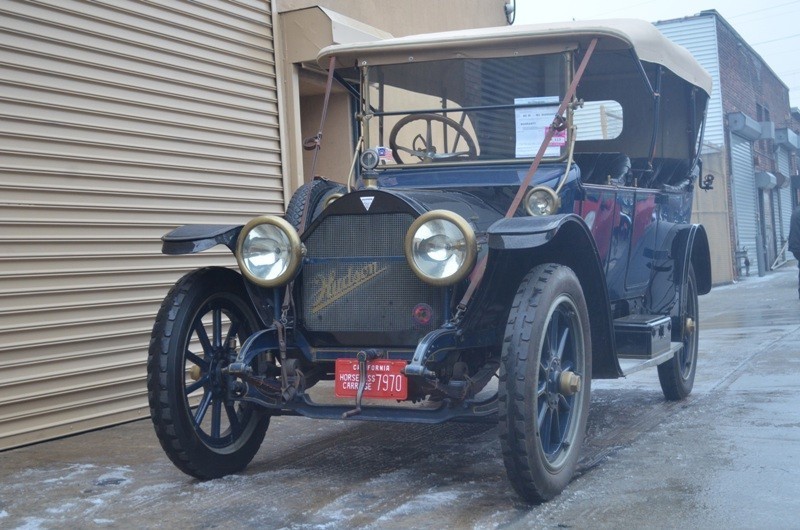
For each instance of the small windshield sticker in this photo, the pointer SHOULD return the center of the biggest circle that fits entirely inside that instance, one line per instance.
(532, 124)
(385, 155)
(559, 138)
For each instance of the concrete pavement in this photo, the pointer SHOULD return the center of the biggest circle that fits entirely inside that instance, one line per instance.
(728, 457)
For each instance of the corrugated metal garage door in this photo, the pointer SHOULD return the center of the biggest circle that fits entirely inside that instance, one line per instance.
(121, 120)
(744, 195)
(784, 193)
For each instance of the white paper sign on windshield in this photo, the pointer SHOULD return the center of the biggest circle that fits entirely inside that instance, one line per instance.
(532, 124)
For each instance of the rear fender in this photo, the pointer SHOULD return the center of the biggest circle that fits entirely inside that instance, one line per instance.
(191, 239)
(520, 243)
(691, 247)
(683, 245)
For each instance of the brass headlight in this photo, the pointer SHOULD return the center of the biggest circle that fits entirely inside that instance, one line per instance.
(441, 247)
(541, 200)
(269, 251)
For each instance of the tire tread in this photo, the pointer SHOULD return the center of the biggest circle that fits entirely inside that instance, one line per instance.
(511, 394)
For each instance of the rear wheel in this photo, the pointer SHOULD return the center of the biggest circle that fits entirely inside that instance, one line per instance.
(545, 380)
(204, 432)
(677, 375)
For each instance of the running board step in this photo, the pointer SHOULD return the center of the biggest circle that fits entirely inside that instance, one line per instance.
(642, 336)
(630, 366)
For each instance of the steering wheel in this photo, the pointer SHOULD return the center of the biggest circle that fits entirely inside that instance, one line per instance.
(422, 146)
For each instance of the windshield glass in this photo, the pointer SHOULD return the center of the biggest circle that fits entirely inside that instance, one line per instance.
(464, 110)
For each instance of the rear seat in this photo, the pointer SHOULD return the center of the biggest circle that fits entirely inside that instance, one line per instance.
(664, 172)
(604, 168)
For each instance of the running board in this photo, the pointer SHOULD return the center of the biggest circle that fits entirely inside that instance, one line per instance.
(630, 366)
(642, 337)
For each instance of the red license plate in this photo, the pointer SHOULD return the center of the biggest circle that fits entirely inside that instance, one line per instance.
(385, 379)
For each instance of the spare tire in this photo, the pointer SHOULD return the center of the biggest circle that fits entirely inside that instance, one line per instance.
(314, 193)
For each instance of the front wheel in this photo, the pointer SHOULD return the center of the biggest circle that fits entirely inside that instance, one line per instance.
(202, 429)
(545, 380)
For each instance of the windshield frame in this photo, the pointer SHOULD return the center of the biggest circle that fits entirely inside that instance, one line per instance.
(371, 115)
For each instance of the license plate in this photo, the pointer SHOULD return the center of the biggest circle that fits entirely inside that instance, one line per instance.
(385, 379)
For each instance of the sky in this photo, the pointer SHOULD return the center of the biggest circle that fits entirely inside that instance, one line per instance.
(771, 27)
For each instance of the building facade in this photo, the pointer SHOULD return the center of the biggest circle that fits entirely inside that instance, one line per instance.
(121, 120)
(750, 146)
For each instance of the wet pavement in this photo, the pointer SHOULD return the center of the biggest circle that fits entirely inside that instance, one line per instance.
(727, 457)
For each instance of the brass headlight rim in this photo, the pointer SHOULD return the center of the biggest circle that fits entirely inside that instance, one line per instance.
(547, 189)
(296, 249)
(471, 242)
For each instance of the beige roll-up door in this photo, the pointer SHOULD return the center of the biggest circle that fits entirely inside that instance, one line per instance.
(119, 120)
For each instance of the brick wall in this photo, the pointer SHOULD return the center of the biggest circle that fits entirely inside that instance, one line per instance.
(749, 86)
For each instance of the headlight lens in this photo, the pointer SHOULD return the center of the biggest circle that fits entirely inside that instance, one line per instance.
(269, 251)
(541, 201)
(441, 247)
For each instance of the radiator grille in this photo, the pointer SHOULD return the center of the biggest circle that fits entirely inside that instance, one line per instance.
(356, 279)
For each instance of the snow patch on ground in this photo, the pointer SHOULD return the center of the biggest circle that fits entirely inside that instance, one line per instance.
(226, 482)
(92, 488)
(428, 501)
(155, 489)
(364, 500)
(61, 509)
(71, 472)
(118, 476)
(31, 523)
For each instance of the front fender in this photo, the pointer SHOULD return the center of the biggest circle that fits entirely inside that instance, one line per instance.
(190, 239)
(525, 232)
(520, 243)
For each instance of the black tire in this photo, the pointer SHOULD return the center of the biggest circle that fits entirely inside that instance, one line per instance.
(541, 424)
(203, 432)
(677, 375)
(315, 192)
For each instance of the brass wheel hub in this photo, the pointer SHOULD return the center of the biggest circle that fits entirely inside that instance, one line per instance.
(569, 383)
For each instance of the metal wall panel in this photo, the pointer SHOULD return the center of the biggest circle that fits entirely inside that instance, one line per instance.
(782, 157)
(744, 195)
(786, 211)
(784, 194)
(699, 35)
(121, 120)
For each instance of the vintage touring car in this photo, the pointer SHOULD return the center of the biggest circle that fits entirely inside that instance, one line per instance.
(517, 224)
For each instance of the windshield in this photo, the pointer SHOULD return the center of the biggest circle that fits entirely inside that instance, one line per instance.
(463, 110)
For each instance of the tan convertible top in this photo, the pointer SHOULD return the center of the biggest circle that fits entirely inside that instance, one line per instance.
(647, 42)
